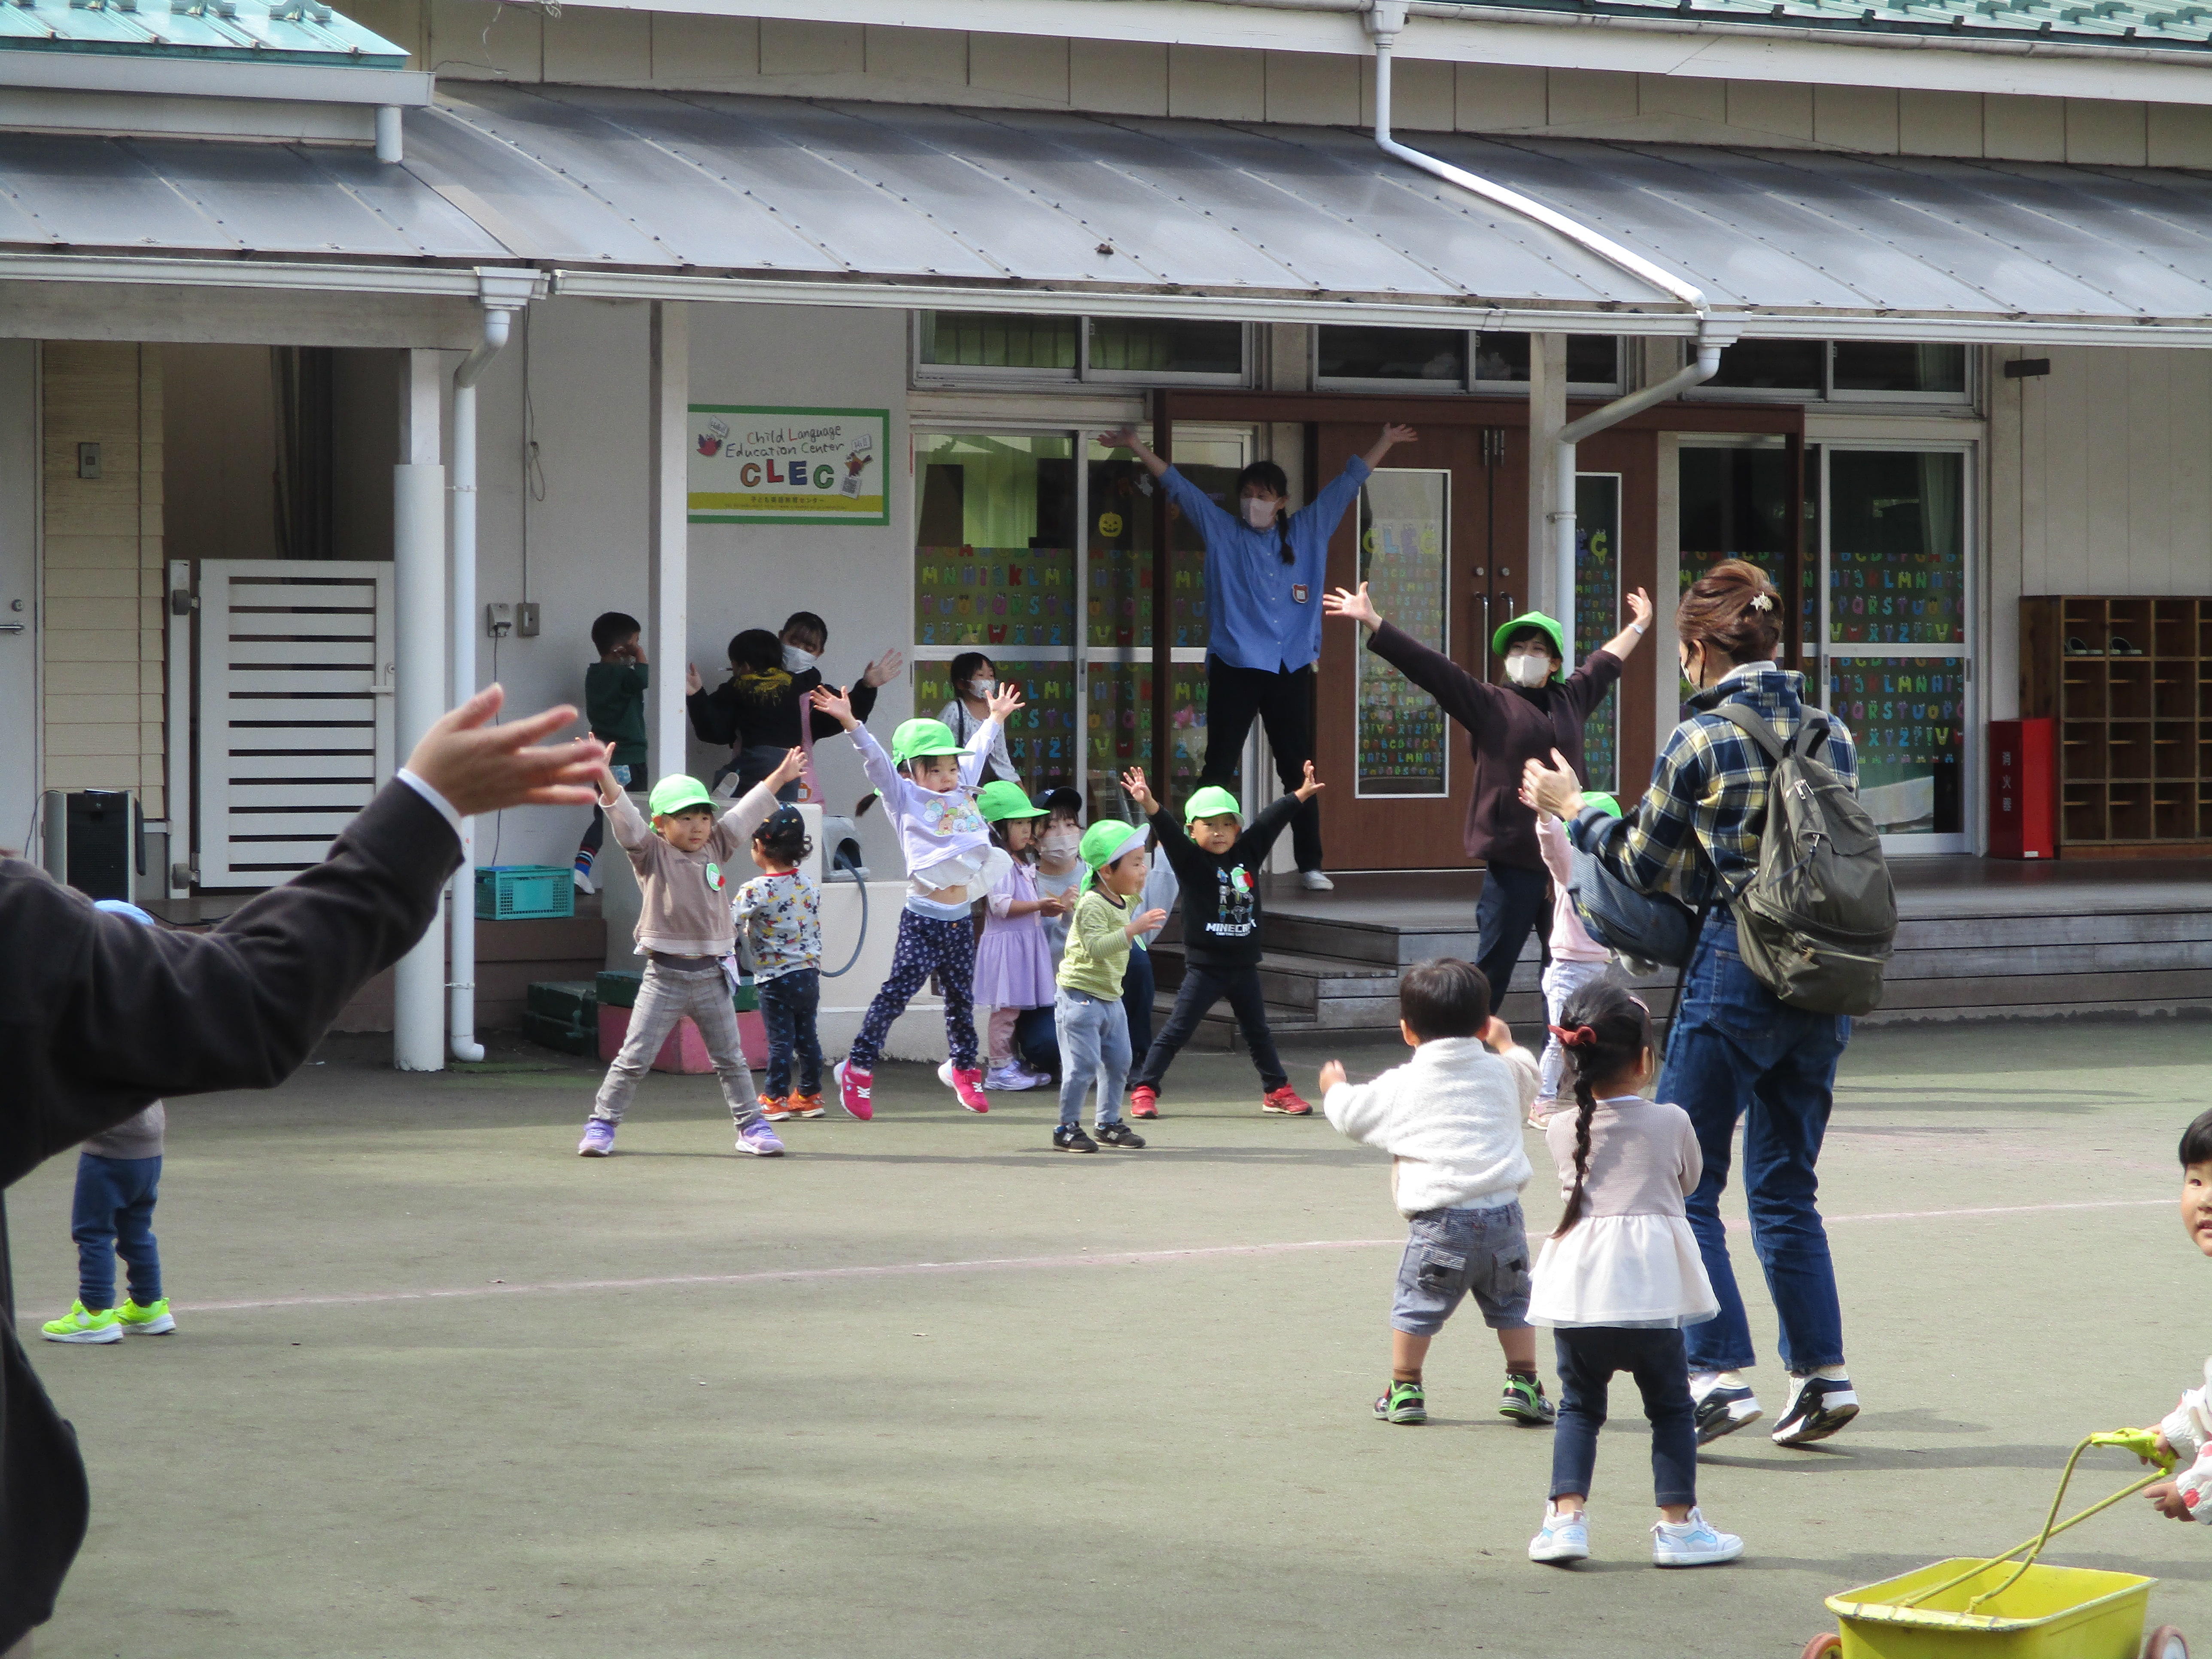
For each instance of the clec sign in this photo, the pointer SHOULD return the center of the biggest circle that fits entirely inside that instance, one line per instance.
(757, 466)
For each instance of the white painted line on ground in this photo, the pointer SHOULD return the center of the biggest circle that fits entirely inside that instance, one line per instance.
(1087, 1258)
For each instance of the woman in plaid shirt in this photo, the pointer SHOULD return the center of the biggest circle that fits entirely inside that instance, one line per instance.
(1735, 1050)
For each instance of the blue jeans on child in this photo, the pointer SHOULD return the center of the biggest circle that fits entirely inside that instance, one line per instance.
(789, 1004)
(1093, 1044)
(113, 1215)
(943, 946)
(1137, 989)
(1587, 1357)
(1736, 1051)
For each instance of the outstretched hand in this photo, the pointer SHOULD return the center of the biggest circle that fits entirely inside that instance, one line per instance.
(1134, 785)
(483, 768)
(790, 766)
(1640, 608)
(693, 685)
(1331, 1073)
(884, 669)
(1004, 704)
(1312, 786)
(1357, 606)
(836, 704)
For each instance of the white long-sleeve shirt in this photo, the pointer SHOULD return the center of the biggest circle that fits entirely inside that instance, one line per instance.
(944, 838)
(1571, 941)
(1452, 1117)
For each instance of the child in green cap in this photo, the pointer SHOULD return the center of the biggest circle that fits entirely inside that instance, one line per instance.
(927, 782)
(685, 934)
(1093, 1025)
(1217, 861)
(1013, 959)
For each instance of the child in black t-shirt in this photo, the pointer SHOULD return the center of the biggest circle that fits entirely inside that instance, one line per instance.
(1218, 863)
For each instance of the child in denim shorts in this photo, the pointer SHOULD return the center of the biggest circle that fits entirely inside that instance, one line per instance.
(1451, 1118)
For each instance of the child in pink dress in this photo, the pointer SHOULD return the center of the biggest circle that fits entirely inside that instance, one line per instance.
(1013, 959)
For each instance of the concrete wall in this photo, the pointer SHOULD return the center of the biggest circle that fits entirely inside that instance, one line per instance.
(479, 40)
(104, 582)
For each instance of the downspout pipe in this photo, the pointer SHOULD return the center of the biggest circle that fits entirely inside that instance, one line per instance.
(500, 301)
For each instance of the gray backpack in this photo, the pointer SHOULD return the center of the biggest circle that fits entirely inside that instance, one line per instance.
(1816, 920)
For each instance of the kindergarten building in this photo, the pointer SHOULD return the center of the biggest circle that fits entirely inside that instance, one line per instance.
(353, 360)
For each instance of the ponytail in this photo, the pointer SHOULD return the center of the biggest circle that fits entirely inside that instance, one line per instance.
(1605, 1034)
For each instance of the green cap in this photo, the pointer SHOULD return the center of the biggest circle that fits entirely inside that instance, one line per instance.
(1106, 841)
(1211, 802)
(677, 791)
(916, 740)
(1002, 800)
(1604, 803)
(1535, 619)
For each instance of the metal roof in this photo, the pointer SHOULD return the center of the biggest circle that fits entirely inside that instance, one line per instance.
(2153, 24)
(233, 31)
(643, 195)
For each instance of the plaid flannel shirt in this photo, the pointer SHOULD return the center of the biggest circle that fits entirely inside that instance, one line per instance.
(1709, 791)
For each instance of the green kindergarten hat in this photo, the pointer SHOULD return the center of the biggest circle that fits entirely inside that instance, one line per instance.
(1004, 800)
(1211, 802)
(677, 791)
(1604, 803)
(1535, 619)
(1106, 841)
(917, 739)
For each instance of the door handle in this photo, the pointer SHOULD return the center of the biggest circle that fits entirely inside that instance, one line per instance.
(11, 628)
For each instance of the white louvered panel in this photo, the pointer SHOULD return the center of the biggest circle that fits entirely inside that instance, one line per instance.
(295, 717)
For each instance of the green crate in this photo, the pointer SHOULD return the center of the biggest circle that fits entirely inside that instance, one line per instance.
(525, 892)
(574, 1002)
(562, 1035)
(617, 988)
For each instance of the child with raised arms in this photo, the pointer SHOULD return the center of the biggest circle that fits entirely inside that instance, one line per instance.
(927, 783)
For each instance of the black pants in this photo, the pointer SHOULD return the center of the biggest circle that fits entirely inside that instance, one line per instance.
(1137, 989)
(1036, 1039)
(1284, 706)
(1587, 1357)
(1201, 989)
(1513, 904)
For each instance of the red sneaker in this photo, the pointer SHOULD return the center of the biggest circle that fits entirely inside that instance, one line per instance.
(852, 1087)
(1285, 1101)
(1144, 1101)
(967, 1087)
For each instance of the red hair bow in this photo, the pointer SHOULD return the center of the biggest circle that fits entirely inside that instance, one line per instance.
(1580, 1036)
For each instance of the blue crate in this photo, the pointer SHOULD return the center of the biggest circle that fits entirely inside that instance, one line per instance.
(525, 892)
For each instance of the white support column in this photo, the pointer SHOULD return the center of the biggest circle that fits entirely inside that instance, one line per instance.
(418, 552)
(1548, 414)
(668, 545)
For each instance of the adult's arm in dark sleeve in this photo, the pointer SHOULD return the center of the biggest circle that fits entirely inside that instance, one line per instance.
(713, 715)
(1471, 701)
(1269, 821)
(1587, 686)
(102, 1015)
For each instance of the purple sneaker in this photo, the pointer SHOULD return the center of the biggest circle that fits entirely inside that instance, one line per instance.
(598, 1140)
(757, 1139)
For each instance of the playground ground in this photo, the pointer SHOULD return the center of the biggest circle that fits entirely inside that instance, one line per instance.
(926, 1388)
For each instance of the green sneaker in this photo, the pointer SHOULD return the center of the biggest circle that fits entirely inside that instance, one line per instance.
(79, 1324)
(1403, 1403)
(1523, 1401)
(154, 1321)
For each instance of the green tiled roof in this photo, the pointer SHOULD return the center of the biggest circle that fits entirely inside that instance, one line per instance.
(236, 30)
(2138, 23)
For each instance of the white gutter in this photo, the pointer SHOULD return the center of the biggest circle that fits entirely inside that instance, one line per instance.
(502, 293)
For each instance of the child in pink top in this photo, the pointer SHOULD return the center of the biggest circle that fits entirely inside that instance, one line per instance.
(1576, 958)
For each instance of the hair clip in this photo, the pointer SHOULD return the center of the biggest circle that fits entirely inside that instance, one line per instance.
(1580, 1036)
(1762, 602)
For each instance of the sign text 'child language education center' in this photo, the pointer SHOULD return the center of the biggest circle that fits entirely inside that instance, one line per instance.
(754, 466)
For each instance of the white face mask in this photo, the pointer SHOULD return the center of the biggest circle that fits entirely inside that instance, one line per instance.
(1060, 843)
(1530, 669)
(797, 661)
(1259, 512)
(982, 688)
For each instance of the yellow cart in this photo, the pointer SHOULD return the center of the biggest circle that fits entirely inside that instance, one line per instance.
(1972, 1608)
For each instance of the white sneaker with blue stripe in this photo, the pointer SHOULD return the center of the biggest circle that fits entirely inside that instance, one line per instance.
(1692, 1543)
(1565, 1536)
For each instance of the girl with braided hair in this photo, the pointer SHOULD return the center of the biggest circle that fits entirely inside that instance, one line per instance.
(1621, 1276)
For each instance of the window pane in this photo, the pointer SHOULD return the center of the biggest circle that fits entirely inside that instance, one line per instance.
(1394, 354)
(1121, 732)
(1908, 718)
(1592, 359)
(1400, 737)
(998, 339)
(1773, 366)
(1597, 612)
(1120, 531)
(994, 554)
(1896, 548)
(1126, 345)
(1883, 366)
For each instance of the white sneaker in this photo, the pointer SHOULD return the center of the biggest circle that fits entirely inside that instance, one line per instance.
(1692, 1543)
(1565, 1537)
(1009, 1077)
(1314, 882)
(583, 879)
(1818, 1406)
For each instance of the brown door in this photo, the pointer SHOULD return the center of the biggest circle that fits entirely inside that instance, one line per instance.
(1398, 774)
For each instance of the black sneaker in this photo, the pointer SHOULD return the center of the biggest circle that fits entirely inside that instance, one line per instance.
(1403, 1402)
(1817, 1407)
(1070, 1137)
(1722, 1409)
(1523, 1401)
(1121, 1135)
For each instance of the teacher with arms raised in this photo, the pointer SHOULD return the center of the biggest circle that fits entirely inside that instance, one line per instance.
(1264, 566)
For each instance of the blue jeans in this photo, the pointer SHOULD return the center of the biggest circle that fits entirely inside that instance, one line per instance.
(1588, 1356)
(1036, 1041)
(1137, 989)
(113, 1216)
(1735, 1051)
(1094, 1042)
(1513, 905)
(788, 1004)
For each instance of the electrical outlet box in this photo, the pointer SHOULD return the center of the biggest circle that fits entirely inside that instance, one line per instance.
(87, 461)
(525, 620)
(499, 619)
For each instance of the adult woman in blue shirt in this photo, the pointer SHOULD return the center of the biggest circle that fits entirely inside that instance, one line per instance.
(1264, 568)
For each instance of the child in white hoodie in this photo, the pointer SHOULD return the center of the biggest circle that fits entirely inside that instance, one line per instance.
(2187, 1433)
(1451, 1118)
